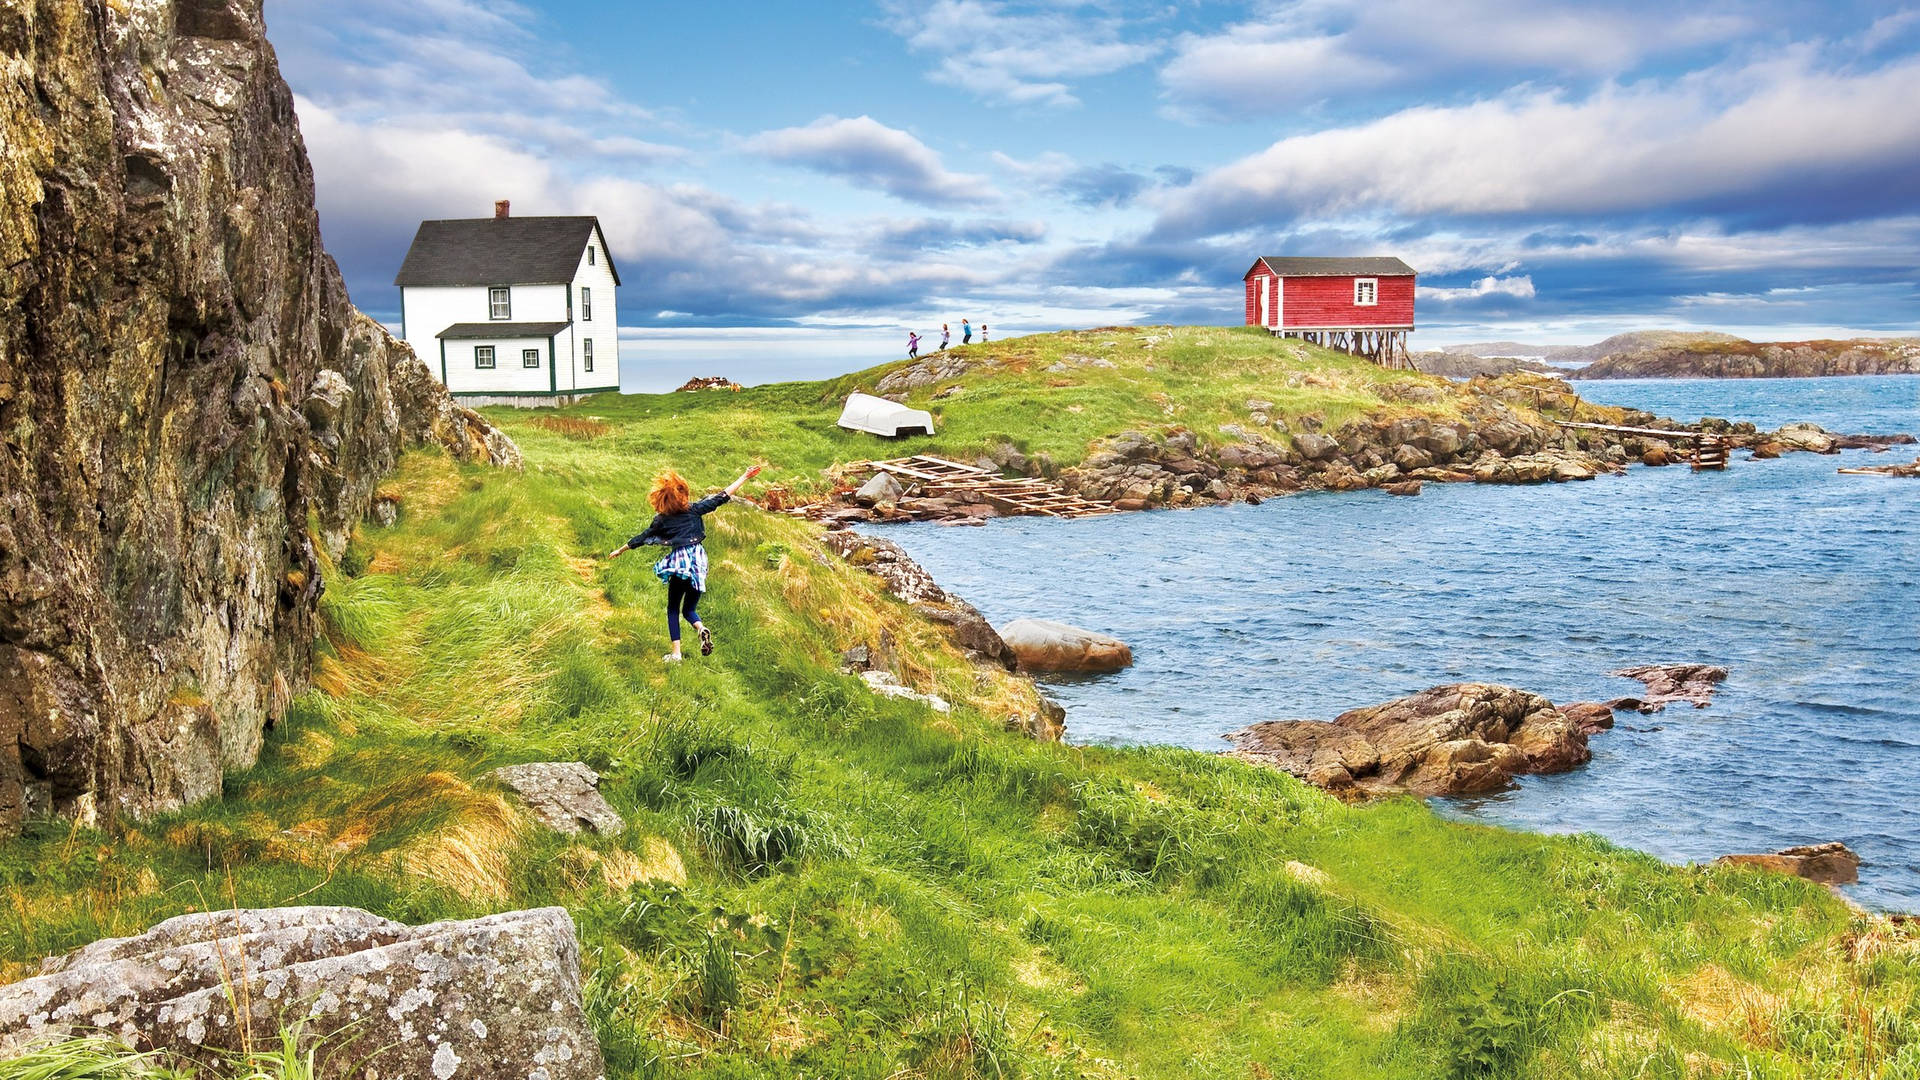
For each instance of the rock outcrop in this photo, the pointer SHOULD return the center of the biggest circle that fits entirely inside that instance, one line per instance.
(909, 581)
(1668, 683)
(1459, 739)
(564, 795)
(1044, 645)
(1831, 863)
(484, 999)
(1721, 356)
(191, 412)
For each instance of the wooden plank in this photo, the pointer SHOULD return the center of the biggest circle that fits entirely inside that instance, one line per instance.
(1632, 430)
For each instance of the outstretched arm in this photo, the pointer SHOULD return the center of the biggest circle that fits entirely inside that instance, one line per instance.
(744, 477)
(720, 498)
(646, 537)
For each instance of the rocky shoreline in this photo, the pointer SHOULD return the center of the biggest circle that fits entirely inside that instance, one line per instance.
(1496, 440)
(1451, 741)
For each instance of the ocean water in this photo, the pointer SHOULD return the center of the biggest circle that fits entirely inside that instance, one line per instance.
(1803, 582)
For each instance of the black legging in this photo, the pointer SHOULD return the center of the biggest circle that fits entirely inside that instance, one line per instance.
(681, 598)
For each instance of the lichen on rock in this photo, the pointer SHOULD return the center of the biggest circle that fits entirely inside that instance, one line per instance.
(481, 999)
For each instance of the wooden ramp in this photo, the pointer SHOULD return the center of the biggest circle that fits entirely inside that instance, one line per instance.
(1710, 453)
(1020, 494)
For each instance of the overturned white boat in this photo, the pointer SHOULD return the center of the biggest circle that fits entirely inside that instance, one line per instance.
(878, 416)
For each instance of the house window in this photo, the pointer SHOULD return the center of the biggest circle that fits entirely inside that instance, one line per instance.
(586, 352)
(589, 254)
(586, 304)
(529, 357)
(483, 356)
(499, 303)
(1366, 292)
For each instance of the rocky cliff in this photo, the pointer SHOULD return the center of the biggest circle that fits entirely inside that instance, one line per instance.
(191, 412)
(1720, 356)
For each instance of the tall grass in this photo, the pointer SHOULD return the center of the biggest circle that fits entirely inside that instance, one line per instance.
(819, 882)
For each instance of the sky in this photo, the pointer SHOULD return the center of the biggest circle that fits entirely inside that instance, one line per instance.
(781, 183)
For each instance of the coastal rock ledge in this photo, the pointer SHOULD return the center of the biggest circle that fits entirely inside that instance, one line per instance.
(1458, 739)
(482, 999)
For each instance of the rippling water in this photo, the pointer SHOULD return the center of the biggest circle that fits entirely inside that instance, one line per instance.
(1802, 582)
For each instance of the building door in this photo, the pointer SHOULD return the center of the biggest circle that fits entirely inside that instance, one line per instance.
(1265, 319)
(1279, 302)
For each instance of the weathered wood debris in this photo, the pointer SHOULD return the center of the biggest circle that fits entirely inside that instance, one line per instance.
(1016, 494)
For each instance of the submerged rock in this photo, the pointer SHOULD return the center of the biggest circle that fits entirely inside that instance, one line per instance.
(564, 795)
(1831, 863)
(1459, 739)
(1044, 645)
(481, 999)
(1668, 683)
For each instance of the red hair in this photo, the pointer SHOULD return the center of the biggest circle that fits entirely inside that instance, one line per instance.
(669, 495)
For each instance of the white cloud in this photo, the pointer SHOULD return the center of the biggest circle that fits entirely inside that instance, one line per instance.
(866, 153)
(1294, 54)
(1016, 55)
(1518, 286)
(1719, 135)
(1889, 28)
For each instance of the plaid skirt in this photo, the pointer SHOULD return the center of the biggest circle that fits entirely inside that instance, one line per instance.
(688, 562)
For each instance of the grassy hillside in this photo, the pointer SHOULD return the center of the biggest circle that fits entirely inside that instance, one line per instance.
(818, 882)
(1046, 394)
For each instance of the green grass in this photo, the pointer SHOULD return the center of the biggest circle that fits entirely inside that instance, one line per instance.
(819, 882)
(1107, 382)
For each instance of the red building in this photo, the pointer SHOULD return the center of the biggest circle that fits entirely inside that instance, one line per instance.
(1362, 305)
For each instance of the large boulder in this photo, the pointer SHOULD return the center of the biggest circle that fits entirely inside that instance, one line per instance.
(1803, 436)
(496, 998)
(1831, 863)
(882, 488)
(564, 795)
(1044, 645)
(192, 414)
(1459, 739)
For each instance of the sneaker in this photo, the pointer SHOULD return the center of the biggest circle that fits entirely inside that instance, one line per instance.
(670, 658)
(706, 640)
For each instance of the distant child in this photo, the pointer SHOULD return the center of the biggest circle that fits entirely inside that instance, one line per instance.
(913, 343)
(983, 333)
(677, 526)
(946, 335)
(966, 332)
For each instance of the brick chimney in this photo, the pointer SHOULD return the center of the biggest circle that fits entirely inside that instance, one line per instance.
(500, 209)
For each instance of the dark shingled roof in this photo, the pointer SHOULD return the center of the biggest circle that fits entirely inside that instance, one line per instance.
(502, 330)
(1370, 266)
(500, 251)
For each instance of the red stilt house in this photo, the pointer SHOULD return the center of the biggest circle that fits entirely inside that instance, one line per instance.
(1363, 305)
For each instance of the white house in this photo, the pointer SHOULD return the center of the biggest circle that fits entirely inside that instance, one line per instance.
(516, 311)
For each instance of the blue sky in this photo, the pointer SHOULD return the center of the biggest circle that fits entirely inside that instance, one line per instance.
(1556, 172)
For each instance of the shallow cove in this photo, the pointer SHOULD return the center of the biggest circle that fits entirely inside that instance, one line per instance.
(1801, 581)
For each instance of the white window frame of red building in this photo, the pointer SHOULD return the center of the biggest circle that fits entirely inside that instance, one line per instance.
(1373, 292)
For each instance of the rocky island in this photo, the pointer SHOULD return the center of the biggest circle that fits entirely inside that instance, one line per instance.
(1684, 355)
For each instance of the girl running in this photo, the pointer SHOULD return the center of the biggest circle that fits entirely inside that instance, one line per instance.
(677, 526)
